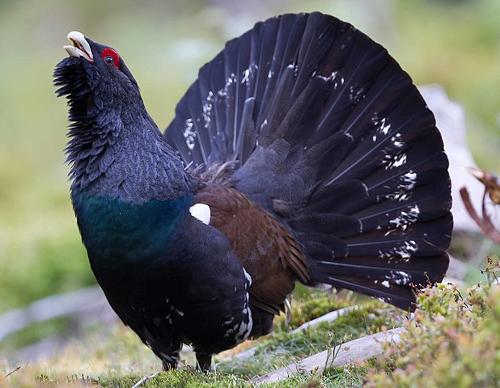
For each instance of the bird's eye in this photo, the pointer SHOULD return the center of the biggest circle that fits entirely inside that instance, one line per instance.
(111, 57)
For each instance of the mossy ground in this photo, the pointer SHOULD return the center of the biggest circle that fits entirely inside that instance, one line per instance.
(113, 356)
(453, 340)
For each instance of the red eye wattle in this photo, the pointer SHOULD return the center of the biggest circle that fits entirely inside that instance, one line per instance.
(111, 57)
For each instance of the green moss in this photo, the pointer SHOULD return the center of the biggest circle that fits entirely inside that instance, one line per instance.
(452, 342)
(178, 378)
(337, 377)
(351, 376)
(281, 348)
(308, 304)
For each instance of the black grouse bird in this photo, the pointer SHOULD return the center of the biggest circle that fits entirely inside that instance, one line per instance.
(303, 152)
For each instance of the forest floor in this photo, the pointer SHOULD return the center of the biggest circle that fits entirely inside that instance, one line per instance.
(451, 340)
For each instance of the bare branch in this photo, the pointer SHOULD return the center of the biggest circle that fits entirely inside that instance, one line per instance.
(13, 371)
(484, 223)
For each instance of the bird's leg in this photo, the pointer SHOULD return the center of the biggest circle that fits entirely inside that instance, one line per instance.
(170, 362)
(204, 361)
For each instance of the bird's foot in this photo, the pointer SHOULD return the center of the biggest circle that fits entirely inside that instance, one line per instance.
(204, 362)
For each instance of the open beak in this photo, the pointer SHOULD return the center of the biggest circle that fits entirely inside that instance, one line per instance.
(79, 46)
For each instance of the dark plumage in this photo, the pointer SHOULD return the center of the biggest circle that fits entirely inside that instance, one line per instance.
(301, 153)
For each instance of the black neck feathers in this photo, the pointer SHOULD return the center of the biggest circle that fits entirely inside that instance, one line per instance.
(115, 149)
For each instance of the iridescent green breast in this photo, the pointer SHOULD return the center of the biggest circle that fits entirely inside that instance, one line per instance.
(115, 231)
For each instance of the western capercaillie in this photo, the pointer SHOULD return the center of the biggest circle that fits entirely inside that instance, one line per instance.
(303, 152)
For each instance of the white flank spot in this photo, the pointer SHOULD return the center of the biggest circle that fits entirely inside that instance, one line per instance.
(247, 276)
(201, 211)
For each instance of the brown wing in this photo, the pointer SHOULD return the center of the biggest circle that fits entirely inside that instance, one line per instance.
(265, 247)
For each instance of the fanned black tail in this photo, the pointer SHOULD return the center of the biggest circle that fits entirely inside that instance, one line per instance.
(321, 126)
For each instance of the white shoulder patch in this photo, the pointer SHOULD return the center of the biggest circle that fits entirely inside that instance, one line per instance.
(201, 211)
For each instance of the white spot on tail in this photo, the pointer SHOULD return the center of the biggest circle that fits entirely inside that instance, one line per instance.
(393, 161)
(405, 185)
(403, 250)
(396, 140)
(207, 109)
(189, 133)
(246, 76)
(329, 78)
(229, 81)
(382, 127)
(405, 219)
(248, 73)
(201, 211)
(401, 278)
(295, 68)
(356, 95)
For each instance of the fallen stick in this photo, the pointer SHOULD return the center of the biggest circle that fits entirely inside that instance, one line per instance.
(351, 352)
(329, 317)
(13, 371)
(145, 379)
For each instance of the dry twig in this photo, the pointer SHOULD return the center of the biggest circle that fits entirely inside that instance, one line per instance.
(13, 371)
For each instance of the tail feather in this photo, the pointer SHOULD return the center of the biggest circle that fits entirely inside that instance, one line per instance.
(392, 293)
(329, 134)
(375, 268)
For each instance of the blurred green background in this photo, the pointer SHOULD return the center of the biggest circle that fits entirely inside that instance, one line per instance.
(453, 43)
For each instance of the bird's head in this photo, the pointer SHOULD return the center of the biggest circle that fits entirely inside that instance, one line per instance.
(94, 70)
(103, 99)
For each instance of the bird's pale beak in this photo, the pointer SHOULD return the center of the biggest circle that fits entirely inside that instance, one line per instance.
(79, 46)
